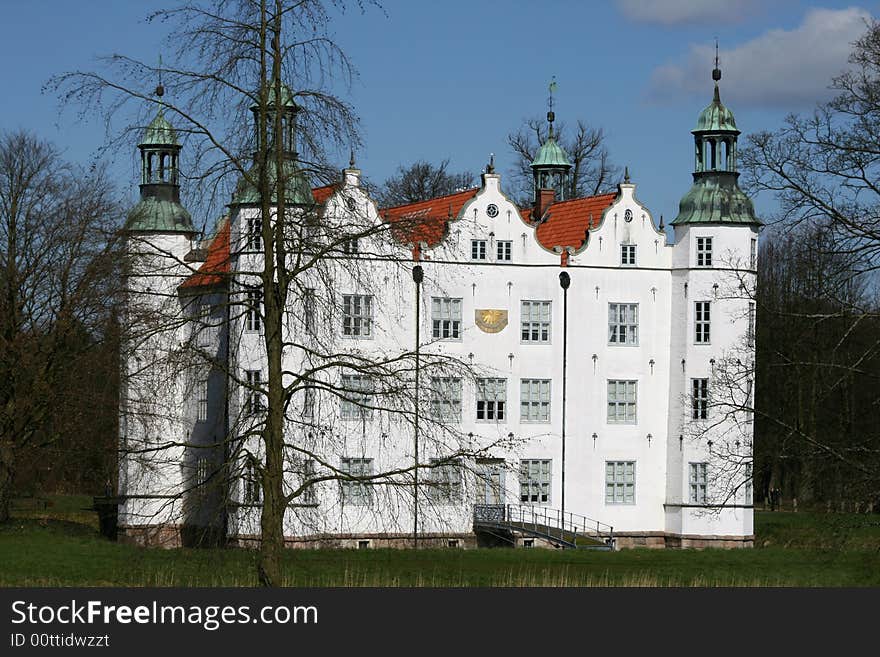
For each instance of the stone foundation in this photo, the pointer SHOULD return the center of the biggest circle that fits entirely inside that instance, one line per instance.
(174, 536)
(364, 541)
(171, 536)
(691, 541)
(627, 540)
(161, 536)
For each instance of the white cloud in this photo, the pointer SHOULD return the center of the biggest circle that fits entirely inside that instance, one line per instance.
(784, 69)
(676, 12)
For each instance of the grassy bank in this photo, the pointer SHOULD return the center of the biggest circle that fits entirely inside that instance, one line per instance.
(60, 546)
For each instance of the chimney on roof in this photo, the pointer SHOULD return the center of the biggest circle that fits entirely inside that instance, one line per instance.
(546, 197)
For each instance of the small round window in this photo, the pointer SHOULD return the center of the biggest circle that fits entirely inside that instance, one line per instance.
(350, 202)
(628, 215)
(492, 210)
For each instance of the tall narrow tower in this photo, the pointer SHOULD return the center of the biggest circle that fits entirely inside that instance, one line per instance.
(714, 261)
(152, 424)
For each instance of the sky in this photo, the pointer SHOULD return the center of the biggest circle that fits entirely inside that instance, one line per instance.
(452, 79)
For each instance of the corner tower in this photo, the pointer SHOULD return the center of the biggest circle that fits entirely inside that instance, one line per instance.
(709, 454)
(715, 196)
(152, 422)
(297, 188)
(159, 209)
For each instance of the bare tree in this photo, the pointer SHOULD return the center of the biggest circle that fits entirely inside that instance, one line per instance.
(58, 272)
(278, 297)
(592, 171)
(824, 170)
(421, 181)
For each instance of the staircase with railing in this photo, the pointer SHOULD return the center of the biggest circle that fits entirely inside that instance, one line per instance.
(563, 529)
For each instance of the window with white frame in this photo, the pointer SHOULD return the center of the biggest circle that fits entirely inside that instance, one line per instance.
(202, 400)
(351, 246)
(623, 324)
(628, 254)
(357, 315)
(699, 399)
(309, 302)
(202, 326)
(203, 474)
(446, 318)
(621, 402)
(505, 250)
(704, 252)
(446, 399)
(753, 254)
(697, 481)
(254, 314)
(535, 321)
(443, 482)
(620, 482)
(255, 234)
(702, 322)
(356, 390)
(253, 491)
(478, 249)
(534, 400)
(490, 481)
(534, 481)
(491, 399)
(304, 471)
(356, 491)
(253, 393)
(750, 332)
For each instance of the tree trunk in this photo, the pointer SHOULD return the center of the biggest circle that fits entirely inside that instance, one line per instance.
(7, 472)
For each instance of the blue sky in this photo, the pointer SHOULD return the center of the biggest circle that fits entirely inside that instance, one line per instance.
(451, 79)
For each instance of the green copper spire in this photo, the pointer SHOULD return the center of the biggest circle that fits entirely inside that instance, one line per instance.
(297, 188)
(715, 196)
(160, 132)
(550, 166)
(159, 209)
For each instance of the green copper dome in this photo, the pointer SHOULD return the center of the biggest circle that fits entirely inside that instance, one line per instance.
(297, 189)
(157, 215)
(551, 155)
(716, 117)
(715, 196)
(716, 199)
(160, 132)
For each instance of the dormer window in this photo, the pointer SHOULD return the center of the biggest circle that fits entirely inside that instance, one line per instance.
(704, 252)
(628, 255)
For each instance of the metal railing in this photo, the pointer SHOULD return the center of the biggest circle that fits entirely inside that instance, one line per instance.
(563, 528)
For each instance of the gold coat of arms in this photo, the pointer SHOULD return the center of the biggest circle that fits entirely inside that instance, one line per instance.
(490, 320)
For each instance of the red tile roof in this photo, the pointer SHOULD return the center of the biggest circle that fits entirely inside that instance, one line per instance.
(321, 194)
(426, 221)
(568, 221)
(216, 266)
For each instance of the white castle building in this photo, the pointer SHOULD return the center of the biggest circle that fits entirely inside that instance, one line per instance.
(599, 374)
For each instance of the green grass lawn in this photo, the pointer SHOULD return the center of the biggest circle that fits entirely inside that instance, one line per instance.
(60, 546)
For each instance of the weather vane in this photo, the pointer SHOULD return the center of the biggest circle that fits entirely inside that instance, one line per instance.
(550, 114)
(160, 90)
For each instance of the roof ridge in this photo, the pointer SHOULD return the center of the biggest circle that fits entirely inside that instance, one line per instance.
(433, 198)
